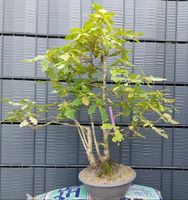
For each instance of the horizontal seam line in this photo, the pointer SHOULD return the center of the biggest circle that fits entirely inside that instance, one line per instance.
(61, 36)
(83, 166)
(46, 79)
(118, 124)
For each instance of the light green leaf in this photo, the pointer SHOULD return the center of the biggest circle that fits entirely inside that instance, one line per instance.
(33, 120)
(138, 134)
(24, 123)
(160, 132)
(103, 114)
(92, 109)
(107, 126)
(118, 137)
(65, 57)
(70, 113)
(85, 100)
(167, 117)
(96, 7)
(152, 78)
(37, 58)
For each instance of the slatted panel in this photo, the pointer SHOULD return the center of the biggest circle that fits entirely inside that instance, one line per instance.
(57, 178)
(150, 19)
(16, 49)
(16, 183)
(180, 185)
(59, 146)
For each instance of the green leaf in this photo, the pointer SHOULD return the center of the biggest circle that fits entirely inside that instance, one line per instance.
(104, 115)
(118, 137)
(70, 113)
(152, 78)
(85, 100)
(96, 7)
(92, 109)
(103, 11)
(107, 126)
(76, 102)
(45, 65)
(130, 95)
(138, 134)
(160, 132)
(33, 120)
(133, 77)
(24, 123)
(65, 57)
(167, 117)
(35, 59)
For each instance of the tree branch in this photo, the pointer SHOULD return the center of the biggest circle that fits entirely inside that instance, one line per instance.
(94, 137)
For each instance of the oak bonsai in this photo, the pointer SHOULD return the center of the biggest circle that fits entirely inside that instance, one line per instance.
(95, 70)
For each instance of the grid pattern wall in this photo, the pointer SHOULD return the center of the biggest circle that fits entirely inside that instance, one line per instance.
(35, 162)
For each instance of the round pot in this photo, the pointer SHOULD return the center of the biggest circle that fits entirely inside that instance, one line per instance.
(108, 191)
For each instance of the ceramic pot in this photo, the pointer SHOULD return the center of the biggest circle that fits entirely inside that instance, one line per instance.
(108, 191)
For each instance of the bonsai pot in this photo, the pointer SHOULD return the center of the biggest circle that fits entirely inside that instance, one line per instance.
(108, 191)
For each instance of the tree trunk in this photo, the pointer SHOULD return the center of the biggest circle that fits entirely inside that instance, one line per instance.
(91, 158)
(89, 151)
(106, 152)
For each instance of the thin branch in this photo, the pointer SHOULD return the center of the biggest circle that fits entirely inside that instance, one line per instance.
(94, 137)
(83, 142)
(82, 133)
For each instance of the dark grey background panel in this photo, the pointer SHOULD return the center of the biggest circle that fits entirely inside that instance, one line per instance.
(181, 62)
(39, 153)
(167, 148)
(1, 52)
(147, 152)
(182, 23)
(180, 185)
(20, 16)
(39, 181)
(62, 145)
(171, 20)
(149, 58)
(17, 49)
(126, 157)
(166, 184)
(129, 14)
(63, 15)
(42, 16)
(169, 67)
(149, 178)
(58, 178)
(16, 183)
(180, 147)
(1, 14)
(17, 145)
(42, 47)
(57, 17)
(181, 95)
(16, 90)
(150, 18)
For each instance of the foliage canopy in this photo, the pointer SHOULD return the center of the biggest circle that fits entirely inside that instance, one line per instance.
(99, 76)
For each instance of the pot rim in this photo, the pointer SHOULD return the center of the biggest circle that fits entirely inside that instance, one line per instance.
(109, 185)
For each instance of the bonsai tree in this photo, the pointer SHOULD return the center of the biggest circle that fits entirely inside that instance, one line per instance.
(97, 85)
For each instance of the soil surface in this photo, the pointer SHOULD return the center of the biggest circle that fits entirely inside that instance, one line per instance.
(121, 174)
